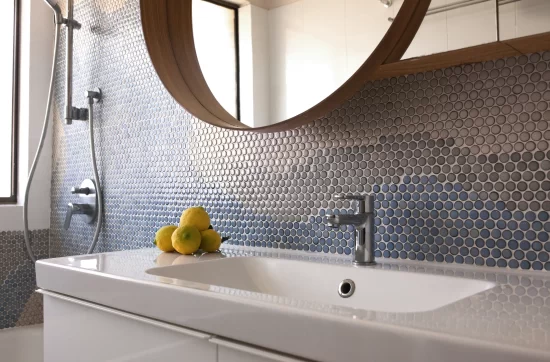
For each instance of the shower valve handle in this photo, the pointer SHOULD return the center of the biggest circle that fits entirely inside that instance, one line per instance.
(76, 209)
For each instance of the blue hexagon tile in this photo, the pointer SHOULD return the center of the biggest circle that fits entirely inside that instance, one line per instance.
(458, 158)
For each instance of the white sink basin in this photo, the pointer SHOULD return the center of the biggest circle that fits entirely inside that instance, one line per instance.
(375, 289)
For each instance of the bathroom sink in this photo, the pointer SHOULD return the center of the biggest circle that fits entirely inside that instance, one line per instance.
(375, 289)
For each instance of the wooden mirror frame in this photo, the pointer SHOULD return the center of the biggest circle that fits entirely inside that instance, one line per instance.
(168, 31)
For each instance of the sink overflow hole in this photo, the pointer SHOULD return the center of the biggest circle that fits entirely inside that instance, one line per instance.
(346, 288)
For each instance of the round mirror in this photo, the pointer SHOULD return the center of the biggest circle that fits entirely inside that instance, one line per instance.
(271, 65)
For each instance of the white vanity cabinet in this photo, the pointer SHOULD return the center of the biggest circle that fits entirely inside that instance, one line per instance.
(80, 331)
(76, 330)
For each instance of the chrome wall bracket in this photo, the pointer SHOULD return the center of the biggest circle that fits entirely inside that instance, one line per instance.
(79, 114)
(95, 95)
(82, 114)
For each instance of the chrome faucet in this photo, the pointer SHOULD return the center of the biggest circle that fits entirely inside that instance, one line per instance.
(88, 207)
(363, 222)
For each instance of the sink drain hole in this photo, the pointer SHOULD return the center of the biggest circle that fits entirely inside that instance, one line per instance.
(346, 288)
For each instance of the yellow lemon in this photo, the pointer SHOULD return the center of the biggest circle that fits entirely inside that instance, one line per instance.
(210, 240)
(163, 238)
(186, 239)
(196, 216)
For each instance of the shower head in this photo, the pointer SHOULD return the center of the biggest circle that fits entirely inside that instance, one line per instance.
(56, 9)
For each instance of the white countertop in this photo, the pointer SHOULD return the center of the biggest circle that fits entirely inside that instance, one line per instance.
(509, 322)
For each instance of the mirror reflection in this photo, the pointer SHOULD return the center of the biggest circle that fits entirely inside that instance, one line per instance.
(454, 24)
(269, 60)
(519, 18)
(457, 24)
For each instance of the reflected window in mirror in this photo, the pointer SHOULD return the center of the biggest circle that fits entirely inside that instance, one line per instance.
(215, 30)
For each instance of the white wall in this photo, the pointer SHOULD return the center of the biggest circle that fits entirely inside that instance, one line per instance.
(254, 66)
(298, 53)
(36, 53)
(366, 24)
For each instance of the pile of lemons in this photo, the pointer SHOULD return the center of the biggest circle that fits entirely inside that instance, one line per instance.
(194, 233)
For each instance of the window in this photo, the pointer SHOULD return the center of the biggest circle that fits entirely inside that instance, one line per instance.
(215, 31)
(9, 91)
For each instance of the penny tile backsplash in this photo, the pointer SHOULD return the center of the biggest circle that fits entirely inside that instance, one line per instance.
(458, 159)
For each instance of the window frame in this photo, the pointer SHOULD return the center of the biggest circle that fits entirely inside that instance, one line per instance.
(235, 8)
(12, 199)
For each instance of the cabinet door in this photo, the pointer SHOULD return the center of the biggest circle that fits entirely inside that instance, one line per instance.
(229, 351)
(452, 25)
(524, 18)
(80, 331)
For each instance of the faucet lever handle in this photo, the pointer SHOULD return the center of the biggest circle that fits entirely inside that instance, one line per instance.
(69, 215)
(76, 209)
(366, 202)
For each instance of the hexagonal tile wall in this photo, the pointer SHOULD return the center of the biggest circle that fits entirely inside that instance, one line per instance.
(458, 159)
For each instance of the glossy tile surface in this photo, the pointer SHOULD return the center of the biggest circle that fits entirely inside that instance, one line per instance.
(458, 159)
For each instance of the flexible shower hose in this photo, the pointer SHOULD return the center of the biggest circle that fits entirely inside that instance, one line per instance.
(39, 151)
(96, 176)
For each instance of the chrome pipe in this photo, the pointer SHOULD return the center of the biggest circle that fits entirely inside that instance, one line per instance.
(69, 65)
(454, 6)
(71, 113)
(497, 16)
(461, 4)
